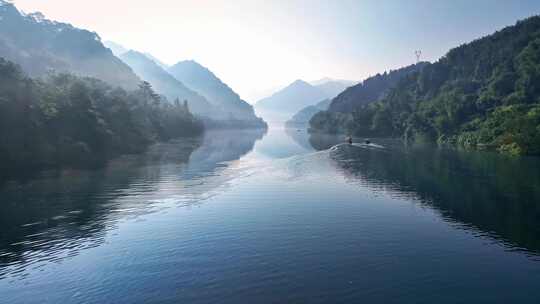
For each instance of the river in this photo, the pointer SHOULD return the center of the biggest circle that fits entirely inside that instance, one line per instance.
(276, 217)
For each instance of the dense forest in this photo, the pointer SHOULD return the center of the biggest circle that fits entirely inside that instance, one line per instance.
(372, 89)
(482, 94)
(69, 120)
(339, 118)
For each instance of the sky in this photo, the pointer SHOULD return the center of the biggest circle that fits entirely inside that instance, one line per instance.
(258, 46)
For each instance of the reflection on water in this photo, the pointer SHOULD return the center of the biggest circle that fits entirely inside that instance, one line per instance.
(498, 195)
(282, 143)
(301, 137)
(250, 217)
(59, 213)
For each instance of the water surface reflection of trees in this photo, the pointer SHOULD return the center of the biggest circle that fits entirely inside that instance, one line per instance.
(497, 195)
(58, 213)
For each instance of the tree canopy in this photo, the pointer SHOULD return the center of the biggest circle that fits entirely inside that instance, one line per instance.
(69, 120)
(482, 94)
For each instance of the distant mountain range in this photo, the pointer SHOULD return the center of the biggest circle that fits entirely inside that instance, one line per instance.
(189, 80)
(300, 94)
(332, 87)
(157, 61)
(166, 84)
(219, 94)
(302, 118)
(206, 94)
(119, 50)
(41, 46)
(116, 48)
(290, 100)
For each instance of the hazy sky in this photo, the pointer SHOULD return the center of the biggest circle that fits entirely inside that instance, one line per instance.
(256, 45)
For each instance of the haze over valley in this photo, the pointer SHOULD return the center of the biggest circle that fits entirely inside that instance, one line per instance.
(254, 151)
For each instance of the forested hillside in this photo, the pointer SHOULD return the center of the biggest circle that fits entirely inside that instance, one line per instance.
(482, 94)
(69, 120)
(343, 109)
(372, 89)
(40, 46)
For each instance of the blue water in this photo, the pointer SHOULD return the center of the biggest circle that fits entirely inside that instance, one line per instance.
(277, 217)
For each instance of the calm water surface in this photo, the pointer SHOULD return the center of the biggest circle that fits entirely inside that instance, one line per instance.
(277, 217)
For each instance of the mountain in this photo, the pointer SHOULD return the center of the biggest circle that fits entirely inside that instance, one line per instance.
(166, 84)
(483, 94)
(337, 118)
(206, 83)
(328, 79)
(351, 97)
(372, 89)
(157, 61)
(332, 87)
(302, 118)
(40, 46)
(292, 99)
(282, 105)
(116, 48)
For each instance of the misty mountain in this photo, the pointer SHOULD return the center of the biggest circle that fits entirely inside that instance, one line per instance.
(332, 87)
(166, 84)
(328, 79)
(40, 46)
(116, 48)
(219, 94)
(302, 118)
(157, 61)
(292, 99)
